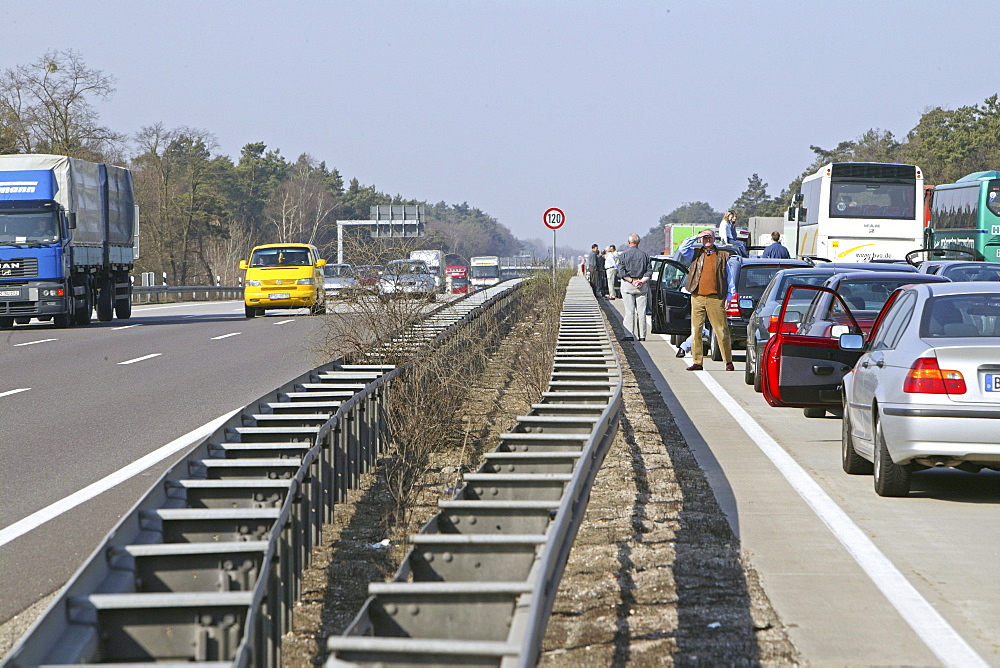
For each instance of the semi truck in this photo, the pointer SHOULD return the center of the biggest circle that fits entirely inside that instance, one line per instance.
(435, 262)
(485, 270)
(68, 229)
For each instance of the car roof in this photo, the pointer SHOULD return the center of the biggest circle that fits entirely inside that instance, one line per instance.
(935, 289)
(873, 266)
(839, 278)
(952, 263)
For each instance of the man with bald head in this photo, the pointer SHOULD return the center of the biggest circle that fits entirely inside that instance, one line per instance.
(635, 272)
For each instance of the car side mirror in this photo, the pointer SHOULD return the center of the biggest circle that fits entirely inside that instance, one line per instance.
(852, 342)
(243, 264)
(746, 303)
(321, 263)
(71, 220)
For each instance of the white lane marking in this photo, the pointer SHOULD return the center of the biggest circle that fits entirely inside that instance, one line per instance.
(139, 359)
(31, 343)
(946, 644)
(225, 336)
(284, 322)
(10, 392)
(126, 326)
(36, 519)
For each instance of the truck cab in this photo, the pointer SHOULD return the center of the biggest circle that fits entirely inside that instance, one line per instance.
(284, 276)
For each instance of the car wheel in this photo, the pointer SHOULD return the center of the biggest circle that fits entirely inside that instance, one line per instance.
(748, 374)
(814, 411)
(853, 463)
(891, 479)
(249, 311)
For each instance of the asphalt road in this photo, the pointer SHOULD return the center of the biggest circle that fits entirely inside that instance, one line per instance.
(94, 399)
(908, 581)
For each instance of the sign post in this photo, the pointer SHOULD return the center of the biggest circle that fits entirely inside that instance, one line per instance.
(554, 219)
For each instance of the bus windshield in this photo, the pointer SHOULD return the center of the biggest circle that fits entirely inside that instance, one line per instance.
(993, 196)
(872, 200)
(485, 271)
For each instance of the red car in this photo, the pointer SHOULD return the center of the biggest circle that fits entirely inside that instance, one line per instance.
(846, 304)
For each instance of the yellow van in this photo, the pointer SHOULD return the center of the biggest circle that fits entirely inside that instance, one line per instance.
(283, 276)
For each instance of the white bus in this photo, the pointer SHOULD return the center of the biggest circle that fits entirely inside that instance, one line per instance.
(859, 212)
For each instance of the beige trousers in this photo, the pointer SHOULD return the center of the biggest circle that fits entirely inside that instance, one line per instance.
(714, 309)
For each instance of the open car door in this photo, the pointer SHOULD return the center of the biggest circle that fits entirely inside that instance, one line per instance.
(802, 371)
(669, 305)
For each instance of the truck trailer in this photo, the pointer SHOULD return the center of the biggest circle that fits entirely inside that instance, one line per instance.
(68, 229)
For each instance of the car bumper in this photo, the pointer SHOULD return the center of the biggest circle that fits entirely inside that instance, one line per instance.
(929, 434)
(297, 298)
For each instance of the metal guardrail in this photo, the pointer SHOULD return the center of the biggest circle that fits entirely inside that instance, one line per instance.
(156, 294)
(206, 568)
(478, 585)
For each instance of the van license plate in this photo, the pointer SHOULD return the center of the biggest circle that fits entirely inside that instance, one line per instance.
(992, 382)
(10, 293)
(279, 295)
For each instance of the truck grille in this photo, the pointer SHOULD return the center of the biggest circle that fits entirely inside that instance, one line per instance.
(19, 267)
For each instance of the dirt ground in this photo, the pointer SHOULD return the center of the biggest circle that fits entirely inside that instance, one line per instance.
(655, 576)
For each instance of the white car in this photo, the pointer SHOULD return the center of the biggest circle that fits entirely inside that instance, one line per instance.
(407, 278)
(926, 390)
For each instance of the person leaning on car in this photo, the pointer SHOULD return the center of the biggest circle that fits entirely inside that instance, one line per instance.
(709, 282)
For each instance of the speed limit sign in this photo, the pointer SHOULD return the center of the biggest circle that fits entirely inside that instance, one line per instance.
(554, 218)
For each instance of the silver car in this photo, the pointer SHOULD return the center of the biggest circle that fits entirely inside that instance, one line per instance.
(407, 278)
(339, 280)
(926, 389)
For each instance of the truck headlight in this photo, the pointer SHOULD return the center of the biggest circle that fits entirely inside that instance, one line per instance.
(304, 281)
(253, 284)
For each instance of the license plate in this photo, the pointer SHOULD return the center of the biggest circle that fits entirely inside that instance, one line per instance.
(10, 293)
(992, 383)
(279, 295)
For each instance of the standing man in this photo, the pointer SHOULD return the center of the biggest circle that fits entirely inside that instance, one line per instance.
(709, 281)
(595, 265)
(611, 269)
(635, 272)
(775, 248)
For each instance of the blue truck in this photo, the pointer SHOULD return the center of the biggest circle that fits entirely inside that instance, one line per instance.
(68, 231)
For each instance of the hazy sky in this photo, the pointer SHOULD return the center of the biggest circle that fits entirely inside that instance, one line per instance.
(617, 112)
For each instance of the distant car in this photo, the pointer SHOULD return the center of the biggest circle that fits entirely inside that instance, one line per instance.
(340, 281)
(367, 276)
(407, 278)
(762, 323)
(851, 305)
(926, 389)
(962, 270)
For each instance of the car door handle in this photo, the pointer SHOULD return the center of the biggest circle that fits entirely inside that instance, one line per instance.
(880, 363)
(864, 365)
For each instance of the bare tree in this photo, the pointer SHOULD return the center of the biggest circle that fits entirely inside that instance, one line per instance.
(46, 107)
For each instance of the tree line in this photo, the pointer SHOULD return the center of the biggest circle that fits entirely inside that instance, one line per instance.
(202, 211)
(945, 144)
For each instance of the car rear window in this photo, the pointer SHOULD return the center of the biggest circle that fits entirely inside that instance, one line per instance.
(961, 316)
(871, 294)
(754, 278)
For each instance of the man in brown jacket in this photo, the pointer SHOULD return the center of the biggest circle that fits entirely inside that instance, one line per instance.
(710, 284)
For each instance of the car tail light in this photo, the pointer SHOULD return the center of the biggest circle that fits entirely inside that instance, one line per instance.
(733, 308)
(925, 377)
(786, 328)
